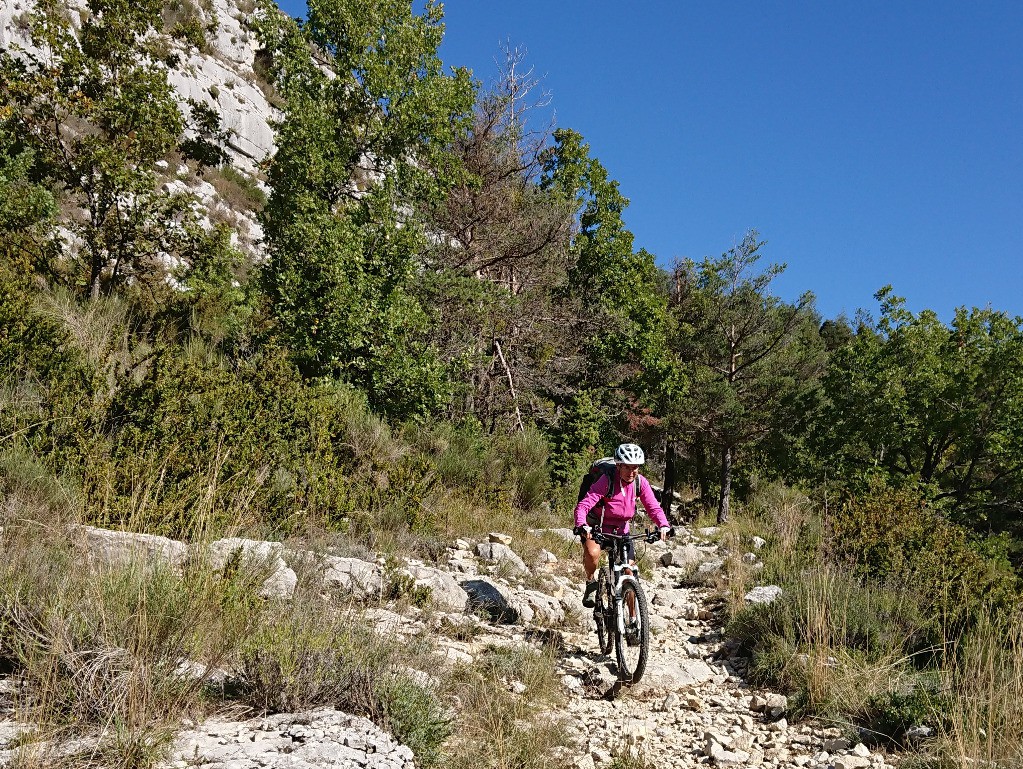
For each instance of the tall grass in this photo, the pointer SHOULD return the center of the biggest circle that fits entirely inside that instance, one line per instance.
(499, 729)
(120, 654)
(982, 720)
(835, 642)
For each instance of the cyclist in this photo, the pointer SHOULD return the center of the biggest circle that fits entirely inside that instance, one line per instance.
(610, 510)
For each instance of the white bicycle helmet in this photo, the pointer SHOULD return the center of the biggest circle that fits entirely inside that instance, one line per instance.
(629, 454)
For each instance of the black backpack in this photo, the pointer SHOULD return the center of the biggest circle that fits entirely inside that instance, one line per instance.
(605, 466)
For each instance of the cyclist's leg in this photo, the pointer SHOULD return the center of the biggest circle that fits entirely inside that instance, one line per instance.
(591, 558)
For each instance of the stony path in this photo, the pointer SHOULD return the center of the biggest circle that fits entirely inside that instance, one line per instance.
(692, 707)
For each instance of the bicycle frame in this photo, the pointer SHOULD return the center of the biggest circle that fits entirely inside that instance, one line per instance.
(624, 619)
(618, 561)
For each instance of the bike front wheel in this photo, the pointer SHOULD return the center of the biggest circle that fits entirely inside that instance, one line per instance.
(604, 612)
(632, 643)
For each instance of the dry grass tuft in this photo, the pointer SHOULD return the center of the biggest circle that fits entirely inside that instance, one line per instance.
(983, 716)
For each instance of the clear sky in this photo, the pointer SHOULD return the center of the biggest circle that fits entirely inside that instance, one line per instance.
(868, 143)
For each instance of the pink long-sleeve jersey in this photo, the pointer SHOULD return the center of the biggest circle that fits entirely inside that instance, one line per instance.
(621, 507)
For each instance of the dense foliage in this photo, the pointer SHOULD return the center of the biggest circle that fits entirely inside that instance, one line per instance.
(450, 303)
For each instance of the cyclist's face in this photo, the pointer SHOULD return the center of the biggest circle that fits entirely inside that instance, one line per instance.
(628, 472)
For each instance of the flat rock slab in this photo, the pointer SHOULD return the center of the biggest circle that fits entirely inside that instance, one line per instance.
(281, 579)
(109, 548)
(669, 673)
(321, 738)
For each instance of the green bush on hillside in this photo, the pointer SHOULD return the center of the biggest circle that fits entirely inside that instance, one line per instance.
(897, 536)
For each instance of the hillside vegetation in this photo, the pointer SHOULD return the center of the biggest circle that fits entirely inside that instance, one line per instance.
(448, 322)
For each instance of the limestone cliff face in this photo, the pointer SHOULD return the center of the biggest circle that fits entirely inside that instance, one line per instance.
(224, 76)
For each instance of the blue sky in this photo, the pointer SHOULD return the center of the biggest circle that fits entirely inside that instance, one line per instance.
(868, 143)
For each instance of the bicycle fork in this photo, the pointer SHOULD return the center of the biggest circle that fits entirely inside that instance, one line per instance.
(622, 612)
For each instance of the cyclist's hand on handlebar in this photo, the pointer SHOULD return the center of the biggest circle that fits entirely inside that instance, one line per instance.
(584, 531)
(666, 531)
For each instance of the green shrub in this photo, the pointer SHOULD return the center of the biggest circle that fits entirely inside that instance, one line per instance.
(498, 729)
(498, 470)
(890, 714)
(299, 660)
(192, 31)
(897, 536)
(401, 586)
(125, 649)
(831, 640)
(415, 715)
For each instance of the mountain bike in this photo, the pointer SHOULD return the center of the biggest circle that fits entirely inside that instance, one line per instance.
(621, 613)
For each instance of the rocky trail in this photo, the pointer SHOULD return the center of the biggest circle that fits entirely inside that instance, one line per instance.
(693, 706)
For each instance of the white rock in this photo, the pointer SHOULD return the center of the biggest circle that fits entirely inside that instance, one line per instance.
(257, 555)
(851, 762)
(502, 554)
(764, 594)
(445, 592)
(121, 548)
(360, 577)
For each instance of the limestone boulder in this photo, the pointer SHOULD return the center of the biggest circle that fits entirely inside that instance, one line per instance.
(105, 547)
(499, 553)
(446, 593)
(261, 557)
(498, 601)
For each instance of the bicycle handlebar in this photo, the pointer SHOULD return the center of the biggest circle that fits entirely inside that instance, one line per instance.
(651, 536)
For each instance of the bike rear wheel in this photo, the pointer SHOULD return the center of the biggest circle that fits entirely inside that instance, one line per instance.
(604, 612)
(633, 647)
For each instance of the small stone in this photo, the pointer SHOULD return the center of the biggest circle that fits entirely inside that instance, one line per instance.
(500, 539)
(835, 744)
(671, 702)
(860, 749)
(919, 732)
(764, 594)
(851, 762)
(571, 683)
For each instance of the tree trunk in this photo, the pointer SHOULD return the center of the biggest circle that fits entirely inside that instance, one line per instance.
(703, 474)
(668, 497)
(95, 276)
(724, 501)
